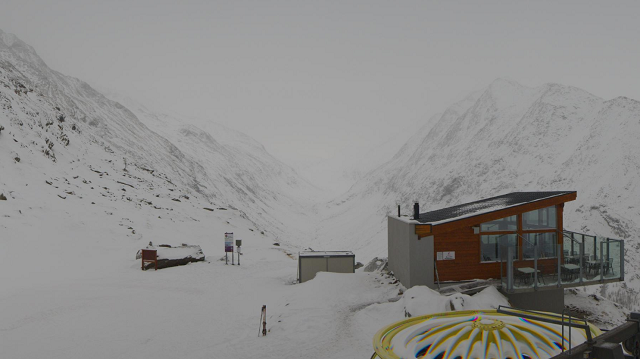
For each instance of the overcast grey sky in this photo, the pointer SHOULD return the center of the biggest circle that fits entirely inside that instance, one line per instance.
(307, 78)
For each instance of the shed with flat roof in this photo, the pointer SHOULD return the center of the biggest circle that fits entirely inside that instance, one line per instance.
(310, 263)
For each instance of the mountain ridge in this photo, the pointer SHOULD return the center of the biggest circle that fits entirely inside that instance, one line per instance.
(68, 121)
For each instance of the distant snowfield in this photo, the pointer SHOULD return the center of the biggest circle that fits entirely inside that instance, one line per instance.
(72, 288)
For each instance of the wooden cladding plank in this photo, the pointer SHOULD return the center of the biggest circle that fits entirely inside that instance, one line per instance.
(467, 264)
(486, 217)
(423, 230)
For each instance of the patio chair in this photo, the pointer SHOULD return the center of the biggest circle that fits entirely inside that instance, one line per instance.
(608, 265)
(565, 274)
(594, 269)
(553, 274)
(522, 278)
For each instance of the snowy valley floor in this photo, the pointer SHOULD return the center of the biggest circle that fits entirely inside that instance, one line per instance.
(72, 288)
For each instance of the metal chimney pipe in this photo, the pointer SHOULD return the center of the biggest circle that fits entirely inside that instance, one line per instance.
(398, 210)
(416, 211)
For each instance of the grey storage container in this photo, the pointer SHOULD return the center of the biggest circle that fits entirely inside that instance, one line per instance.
(310, 263)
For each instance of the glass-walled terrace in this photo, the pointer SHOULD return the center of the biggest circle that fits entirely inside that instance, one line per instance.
(579, 259)
(524, 231)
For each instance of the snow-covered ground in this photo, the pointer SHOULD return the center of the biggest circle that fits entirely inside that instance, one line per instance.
(76, 290)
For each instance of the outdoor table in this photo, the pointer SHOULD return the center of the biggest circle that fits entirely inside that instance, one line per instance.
(572, 259)
(571, 269)
(571, 266)
(526, 270)
(529, 271)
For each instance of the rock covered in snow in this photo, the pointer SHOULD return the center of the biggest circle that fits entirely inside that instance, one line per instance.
(421, 300)
(376, 264)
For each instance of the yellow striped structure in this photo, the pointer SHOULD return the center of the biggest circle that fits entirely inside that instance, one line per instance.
(474, 334)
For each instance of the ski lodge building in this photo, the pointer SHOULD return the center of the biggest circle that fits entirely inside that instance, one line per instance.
(516, 238)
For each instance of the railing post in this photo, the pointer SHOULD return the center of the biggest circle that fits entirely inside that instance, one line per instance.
(572, 249)
(501, 264)
(559, 265)
(510, 269)
(621, 260)
(535, 267)
(581, 260)
(601, 262)
(570, 330)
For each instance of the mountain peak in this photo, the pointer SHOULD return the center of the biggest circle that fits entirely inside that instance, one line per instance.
(20, 49)
(505, 81)
(505, 84)
(507, 93)
(8, 39)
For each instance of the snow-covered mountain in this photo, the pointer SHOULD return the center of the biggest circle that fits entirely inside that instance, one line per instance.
(507, 138)
(61, 121)
(86, 181)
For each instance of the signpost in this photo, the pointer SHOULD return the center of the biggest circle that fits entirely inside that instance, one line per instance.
(228, 246)
(238, 244)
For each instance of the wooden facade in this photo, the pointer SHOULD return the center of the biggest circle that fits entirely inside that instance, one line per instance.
(458, 236)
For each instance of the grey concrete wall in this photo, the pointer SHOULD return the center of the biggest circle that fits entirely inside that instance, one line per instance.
(410, 258)
(543, 300)
(421, 262)
(309, 266)
(340, 265)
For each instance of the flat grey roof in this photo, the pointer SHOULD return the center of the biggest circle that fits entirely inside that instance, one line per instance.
(326, 253)
(492, 204)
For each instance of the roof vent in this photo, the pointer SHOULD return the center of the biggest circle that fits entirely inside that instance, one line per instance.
(416, 211)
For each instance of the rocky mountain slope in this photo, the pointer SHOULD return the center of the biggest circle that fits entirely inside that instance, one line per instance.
(60, 123)
(507, 138)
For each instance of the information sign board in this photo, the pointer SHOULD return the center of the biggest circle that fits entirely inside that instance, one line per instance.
(446, 256)
(228, 242)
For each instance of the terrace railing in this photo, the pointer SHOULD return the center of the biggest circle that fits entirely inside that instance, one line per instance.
(579, 259)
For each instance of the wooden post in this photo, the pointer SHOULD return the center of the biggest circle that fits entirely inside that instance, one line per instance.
(263, 319)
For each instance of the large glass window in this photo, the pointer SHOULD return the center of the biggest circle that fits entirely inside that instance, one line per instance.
(544, 218)
(492, 245)
(547, 245)
(502, 224)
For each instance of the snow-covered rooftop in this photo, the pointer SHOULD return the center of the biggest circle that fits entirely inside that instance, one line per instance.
(326, 253)
(488, 205)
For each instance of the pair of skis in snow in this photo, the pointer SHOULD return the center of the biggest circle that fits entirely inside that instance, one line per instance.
(263, 321)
